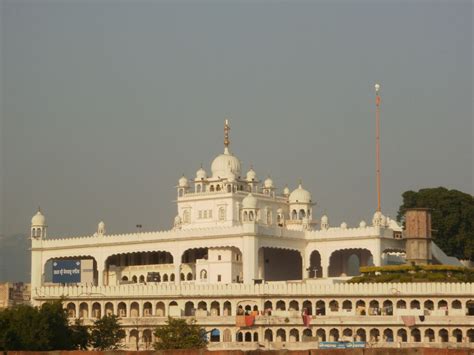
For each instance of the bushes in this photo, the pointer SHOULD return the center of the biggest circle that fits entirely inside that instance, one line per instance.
(417, 273)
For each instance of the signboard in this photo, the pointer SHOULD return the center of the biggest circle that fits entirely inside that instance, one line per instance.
(341, 344)
(66, 271)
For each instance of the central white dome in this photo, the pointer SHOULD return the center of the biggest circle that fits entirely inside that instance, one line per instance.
(300, 195)
(225, 165)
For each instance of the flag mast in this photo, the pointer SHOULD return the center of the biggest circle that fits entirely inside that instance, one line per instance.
(377, 143)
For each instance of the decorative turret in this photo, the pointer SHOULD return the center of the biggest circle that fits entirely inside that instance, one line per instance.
(249, 209)
(200, 180)
(379, 220)
(101, 228)
(300, 204)
(252, 180)
(183, 186)
(38, 225)
(324, 222)
(268, 186)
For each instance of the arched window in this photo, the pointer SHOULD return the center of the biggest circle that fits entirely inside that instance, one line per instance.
(221, 214)
(246, 216)
(302, 214)
(212, 188)
(251, 217)
(180, 192)
(122, 309)
(281, 306)
(294, 215)
(227, 336)
(229, 188)
(268, 335)
(147, 309)
(203, 274)
(218, 188)
(189, 276)
(186, 216)
(269, 216)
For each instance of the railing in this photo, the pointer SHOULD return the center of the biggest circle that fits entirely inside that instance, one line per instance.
(313, 290)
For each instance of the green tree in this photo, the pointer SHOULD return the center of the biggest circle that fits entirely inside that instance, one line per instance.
(452, 215)
(107, 333)
(80, 335)
(39, 329)
(179, 334)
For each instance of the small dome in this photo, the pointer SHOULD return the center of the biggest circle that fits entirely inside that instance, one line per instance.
(362, 224)
(324, 219)
(286, 191)
(225, 165)
(268, 183)
(344, 225)
(251, 175)
(38, 219)
(300, 195)
(249, 201)
(101, 225)
(183, 181)
(201, 174)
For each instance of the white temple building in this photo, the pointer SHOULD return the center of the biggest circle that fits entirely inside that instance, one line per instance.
(241, 245)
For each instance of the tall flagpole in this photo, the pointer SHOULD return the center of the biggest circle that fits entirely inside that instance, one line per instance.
(377, 142)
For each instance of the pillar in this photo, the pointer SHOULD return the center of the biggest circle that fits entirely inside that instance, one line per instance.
(37, 267)
(177, 273)
(249, 259)
(261, 264)
(377, 255)
(305, 264)
(325, 265)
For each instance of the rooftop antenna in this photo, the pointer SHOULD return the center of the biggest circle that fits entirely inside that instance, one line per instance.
(377, 142)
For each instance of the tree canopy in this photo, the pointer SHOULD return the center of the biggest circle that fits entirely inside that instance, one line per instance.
(452, 216)
(179, 334)
(107, 333)
(42, 329)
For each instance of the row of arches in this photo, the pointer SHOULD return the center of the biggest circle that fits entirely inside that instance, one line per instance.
(372, 335)
(292, 335)
(275, 264)
(370, 307)
(157, 277)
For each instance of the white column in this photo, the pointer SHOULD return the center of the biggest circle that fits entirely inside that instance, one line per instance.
(305, 264)
(37, 268)
(325, 265)
(377, 255)
(100, 271)
(249, 259)
(177, 273)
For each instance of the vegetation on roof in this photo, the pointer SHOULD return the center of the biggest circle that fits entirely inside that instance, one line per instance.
(415, 273)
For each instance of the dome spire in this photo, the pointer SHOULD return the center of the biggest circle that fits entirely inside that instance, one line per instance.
(226, 136)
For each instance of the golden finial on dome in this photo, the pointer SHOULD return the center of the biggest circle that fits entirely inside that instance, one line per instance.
(226, 133)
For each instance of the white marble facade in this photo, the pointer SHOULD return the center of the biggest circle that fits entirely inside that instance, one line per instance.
(231, 229)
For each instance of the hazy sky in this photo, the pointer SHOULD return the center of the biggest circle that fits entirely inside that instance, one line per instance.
(105, 104)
